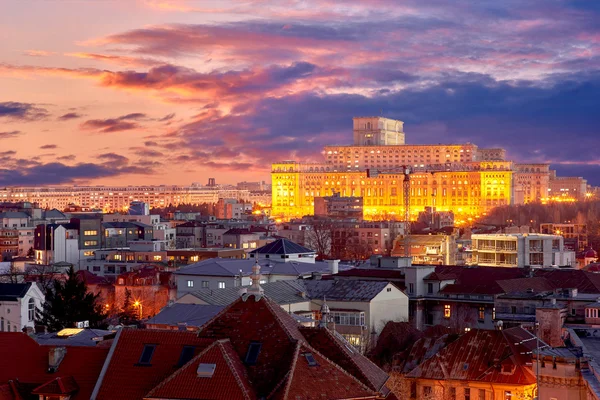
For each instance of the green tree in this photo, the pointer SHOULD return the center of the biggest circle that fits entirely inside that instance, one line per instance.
(129, 314)
(68, 302)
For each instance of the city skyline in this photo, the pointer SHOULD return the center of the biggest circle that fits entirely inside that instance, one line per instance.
(174, 92)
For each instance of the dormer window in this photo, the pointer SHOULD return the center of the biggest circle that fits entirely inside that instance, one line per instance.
(310, 359)
(187, 353)
(147, 354)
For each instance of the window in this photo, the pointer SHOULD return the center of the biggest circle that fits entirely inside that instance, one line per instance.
(411, 288)
(2, 324)
(221, 285)
(481, 394)
(187, 353)
(427, 391)
(157, 258)
(310, 359)
(481, 313)
(447, 311)
(467, 394)
(88, 253)
(31, 309)
(90, 233)
(190, 284)
(513, 309)
(205, 284)
(90, 243)
(252, 353)
(389, 289)
(507, 395)
(117, 257)
(430, 288)
(452, 393)
(147, 354)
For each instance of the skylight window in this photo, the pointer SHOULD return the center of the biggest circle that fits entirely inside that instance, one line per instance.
(252, 353)
(310, 359)
(147, 354)
(206, 370)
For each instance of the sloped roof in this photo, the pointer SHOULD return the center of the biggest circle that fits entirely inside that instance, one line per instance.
(482, 280)
(344, 290)
(84, 338)
(13, 214)
(13, 291)
(282, 246)
(232, 266)
(520, 285)
(343, 354)
(29, 363)
(583, 281)
(325, 380)
(501, 362)
(127, 380)
(60, 386)
(188, 314)
(281, 292)
(229, 380)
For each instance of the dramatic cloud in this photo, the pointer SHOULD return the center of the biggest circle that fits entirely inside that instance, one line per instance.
(10, 134)
(22, 111)
(122, 123)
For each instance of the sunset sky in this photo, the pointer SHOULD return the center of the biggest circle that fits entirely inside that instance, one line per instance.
(174, 92)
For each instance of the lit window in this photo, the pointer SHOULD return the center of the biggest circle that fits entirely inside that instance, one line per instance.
(90, 233)
(194, 258)
(190, 284)
(221, 285)
(90, 243)
(157, 258)
(447, 311)
(482, 313)
(117, 257)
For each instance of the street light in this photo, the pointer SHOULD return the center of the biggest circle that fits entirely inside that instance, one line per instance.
(138, 304)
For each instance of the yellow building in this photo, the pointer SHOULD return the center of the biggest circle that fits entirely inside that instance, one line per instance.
(461, 178)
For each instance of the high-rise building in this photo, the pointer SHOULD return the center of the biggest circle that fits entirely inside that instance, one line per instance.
(461, 178)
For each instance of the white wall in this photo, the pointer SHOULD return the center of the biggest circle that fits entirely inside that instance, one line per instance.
(391, 304)
(16, 313)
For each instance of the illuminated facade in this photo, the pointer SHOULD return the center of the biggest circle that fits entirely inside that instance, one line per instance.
(451, 177)
(118, 198)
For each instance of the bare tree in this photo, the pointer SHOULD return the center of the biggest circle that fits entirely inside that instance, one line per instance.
(12, 275)
(319, 237)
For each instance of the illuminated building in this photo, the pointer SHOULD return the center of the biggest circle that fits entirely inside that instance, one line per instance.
(118, 198)
(461, 178)
(566, 188)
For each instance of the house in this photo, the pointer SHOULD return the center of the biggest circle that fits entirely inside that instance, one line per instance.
(463, 370)
(358, 309)
(252, 349)
(18, 305)
(30, 370)
(150, 289)
(279, 260)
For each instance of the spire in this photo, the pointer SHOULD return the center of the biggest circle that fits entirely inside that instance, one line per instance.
(254, 288)
(324, 314)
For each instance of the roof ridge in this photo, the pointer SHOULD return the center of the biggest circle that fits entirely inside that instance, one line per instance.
(290, 375)
(233, 370)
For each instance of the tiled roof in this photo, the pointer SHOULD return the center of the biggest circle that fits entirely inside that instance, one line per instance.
(463, 359)
(60, 386)
(13, 214)
(344, 290)
(281, 292)
(482, 280)
(282, 246)
(377, 273)
(232, 267)
(583, 281)
(344, 355)
(126, 379)
(229, 380)
(521, 285)
(29, 363)
(188, 314)
(13, 291)
(324, 380)
(239, 231)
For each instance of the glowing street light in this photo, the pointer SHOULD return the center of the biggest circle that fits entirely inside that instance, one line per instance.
(138, 304)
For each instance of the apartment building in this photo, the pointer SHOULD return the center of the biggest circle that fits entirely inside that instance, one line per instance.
(576, 235)
(520, 250)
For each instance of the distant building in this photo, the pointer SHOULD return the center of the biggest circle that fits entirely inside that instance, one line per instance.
(336, 206)
(566, 188)
(231, 209)
(576, 235)
(520, 250)
(428, 249)
(436, 220)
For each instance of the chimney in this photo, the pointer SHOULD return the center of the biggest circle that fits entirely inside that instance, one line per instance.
(550, 320)
(333, 266)
(55, 357)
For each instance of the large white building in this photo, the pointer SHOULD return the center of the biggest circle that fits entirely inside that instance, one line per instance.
(520, 250)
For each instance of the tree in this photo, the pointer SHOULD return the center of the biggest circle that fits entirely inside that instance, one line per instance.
(68, 302)
(319, 237)
(129, 314)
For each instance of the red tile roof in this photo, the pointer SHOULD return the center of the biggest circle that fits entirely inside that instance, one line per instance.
(464, 359)
(521, 285)
(29, 363)
(126, 379)
(344, 355)
(482, 280)
(326, 380)
(229, 381)
(61, 386)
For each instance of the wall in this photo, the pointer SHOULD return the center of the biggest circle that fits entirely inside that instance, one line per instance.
(390, 304)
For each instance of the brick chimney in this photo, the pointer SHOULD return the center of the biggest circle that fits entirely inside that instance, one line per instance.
(551, 319)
